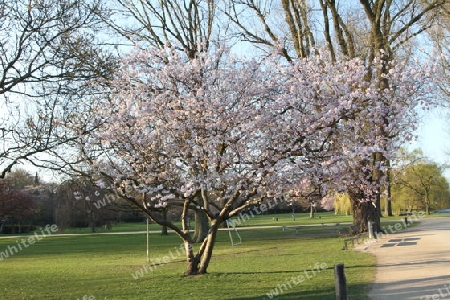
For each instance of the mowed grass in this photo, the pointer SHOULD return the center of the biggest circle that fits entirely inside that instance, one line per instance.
(246, 220)
(101, 266)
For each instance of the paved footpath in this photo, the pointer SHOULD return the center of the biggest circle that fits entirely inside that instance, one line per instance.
(413, 263)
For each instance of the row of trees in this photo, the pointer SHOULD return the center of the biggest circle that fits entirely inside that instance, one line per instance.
(326, 100)
(26, 202)
(417, 184)
(18, 203)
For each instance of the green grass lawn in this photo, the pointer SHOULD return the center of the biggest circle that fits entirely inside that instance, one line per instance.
(269, 261)
(101, 266)
(247, 220)
(301, 219)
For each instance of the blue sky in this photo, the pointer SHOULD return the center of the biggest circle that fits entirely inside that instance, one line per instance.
(434, 137)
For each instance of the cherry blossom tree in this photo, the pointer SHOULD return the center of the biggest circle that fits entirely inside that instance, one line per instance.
(192, 24)
(327, 202)
(367, 29)
(222, 134)
(394, 112)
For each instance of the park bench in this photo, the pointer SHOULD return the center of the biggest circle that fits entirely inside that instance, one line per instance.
(296, 228)
(350, 235)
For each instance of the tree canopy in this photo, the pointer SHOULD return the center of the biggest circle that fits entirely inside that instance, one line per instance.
(419, 185)
(221, 134)
(180, 120)
(48, 54)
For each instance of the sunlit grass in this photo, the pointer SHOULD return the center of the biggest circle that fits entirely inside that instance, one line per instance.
(102, 266)
(248, 219)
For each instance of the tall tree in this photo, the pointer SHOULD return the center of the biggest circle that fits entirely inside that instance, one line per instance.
(222, 135)
(423, 186)
(190, 23)
(418, 183)
(19, 178)
(16, 206)
(48, 53)
(390, 27)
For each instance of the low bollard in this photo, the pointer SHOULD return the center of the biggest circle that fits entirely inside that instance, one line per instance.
(340, 282)
(370, 228)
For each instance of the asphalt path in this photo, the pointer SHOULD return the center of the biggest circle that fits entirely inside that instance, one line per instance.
(413, 263)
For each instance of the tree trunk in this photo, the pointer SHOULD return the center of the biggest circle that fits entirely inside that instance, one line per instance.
(427, 202)
(92, 226)
(378, 203)
(201, 226)
(164, 216)
(311, 211)
(198, 263)
(377, 174)
(208, 249)
(388, 207)
(192, 260)
(363, 212)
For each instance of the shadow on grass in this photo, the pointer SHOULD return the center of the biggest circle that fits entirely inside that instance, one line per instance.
(285, 272)
(356, 291)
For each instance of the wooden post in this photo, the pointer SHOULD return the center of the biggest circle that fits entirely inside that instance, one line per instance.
(340, 282)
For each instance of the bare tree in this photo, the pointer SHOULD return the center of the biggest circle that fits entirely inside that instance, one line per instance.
(157, 23)
(440, 37)
(307, 24)
(48, 54)
(393, 25)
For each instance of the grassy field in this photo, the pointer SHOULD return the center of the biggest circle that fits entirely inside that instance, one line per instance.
(106, 266)
(103, 266)
(301, 219)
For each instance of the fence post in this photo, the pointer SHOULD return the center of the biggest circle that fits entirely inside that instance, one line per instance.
(340, 282)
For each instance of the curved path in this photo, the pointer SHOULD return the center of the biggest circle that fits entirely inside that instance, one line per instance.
(413, 263)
